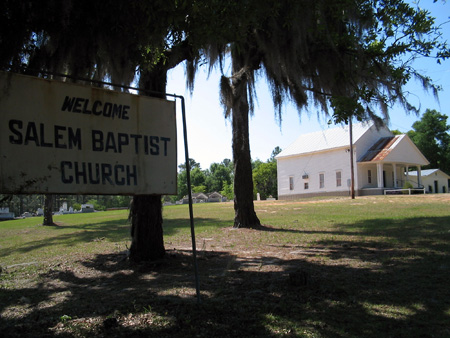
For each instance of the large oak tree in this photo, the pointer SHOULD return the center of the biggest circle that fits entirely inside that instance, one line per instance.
(346, 53)
(354, 56)
(109, 40)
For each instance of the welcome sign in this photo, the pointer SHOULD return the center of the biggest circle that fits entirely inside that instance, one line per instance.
(63, 138)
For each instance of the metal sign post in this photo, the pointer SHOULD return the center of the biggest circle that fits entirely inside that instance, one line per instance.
(191, 213)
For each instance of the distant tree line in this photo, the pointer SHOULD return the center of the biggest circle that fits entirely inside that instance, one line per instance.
(219, 178)
(265, 176)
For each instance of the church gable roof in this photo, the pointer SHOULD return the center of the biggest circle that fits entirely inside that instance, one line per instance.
(398, 148)
(380, 149)
(325, 139)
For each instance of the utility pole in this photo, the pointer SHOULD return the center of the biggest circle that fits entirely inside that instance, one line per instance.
(352, 169)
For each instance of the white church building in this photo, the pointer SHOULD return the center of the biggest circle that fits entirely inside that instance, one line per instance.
(318, 164)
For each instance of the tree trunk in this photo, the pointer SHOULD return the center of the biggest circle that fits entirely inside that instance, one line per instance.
(21, 210)
(244, 210)
(147, 242)
(48, 210)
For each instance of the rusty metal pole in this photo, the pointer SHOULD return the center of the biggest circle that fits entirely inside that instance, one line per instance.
(191, 213)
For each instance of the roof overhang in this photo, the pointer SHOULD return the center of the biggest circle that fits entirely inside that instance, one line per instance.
(396, 149)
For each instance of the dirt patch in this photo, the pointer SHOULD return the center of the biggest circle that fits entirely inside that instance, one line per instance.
(79, 297)
(316, 278)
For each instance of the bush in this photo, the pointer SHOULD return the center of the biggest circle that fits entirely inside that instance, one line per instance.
(228, 191)
(96, 205)
(407, 185)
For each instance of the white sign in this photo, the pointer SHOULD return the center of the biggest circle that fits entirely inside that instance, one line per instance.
(65, 138)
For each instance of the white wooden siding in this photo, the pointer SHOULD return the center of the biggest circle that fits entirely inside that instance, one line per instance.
(327, 162)
(406, 152)
(428, 178)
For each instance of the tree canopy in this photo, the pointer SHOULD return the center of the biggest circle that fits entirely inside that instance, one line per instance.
(431, 134)
(215, 179)
(265, 179)
(353, 56)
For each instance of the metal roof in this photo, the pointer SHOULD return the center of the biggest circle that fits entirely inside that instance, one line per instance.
(325, 139)
(426, 172)
(381, 149)
(399, 149)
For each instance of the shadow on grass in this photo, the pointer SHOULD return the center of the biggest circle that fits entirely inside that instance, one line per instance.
(431, 234)
(113, 230)
(70, 235)
(395, 287)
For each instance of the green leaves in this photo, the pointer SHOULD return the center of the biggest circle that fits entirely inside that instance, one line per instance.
(346, 108)
(431, 135)
(215, 179)
(265, 179)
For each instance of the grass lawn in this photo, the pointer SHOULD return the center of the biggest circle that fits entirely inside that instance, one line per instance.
(371, 267)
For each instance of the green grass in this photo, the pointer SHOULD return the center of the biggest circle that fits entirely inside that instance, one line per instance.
(27, 240)
(376, 267)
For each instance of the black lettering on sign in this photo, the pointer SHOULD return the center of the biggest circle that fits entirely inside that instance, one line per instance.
(97, 140)
(80, 173)
(85, 107)
(106, 173)
(98, 173)
(125, 112)
(119, 143)
(136, 139)
(31, 134)
(154, 145)
(123, 140)
(59, 143)
(107, 109)
(110, 142)
(146, 145)
(77, 106)
(65, 177)
(42, 137)
(68, 103)
(97, 108)
(165, 140)
(117, 111)
(119, 180)
(75, 139)
(14, 125)
(131, 174)
(56, 136)
(93, 180)
(94, 108)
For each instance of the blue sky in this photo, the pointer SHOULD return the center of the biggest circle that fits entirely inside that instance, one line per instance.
(209, 134)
